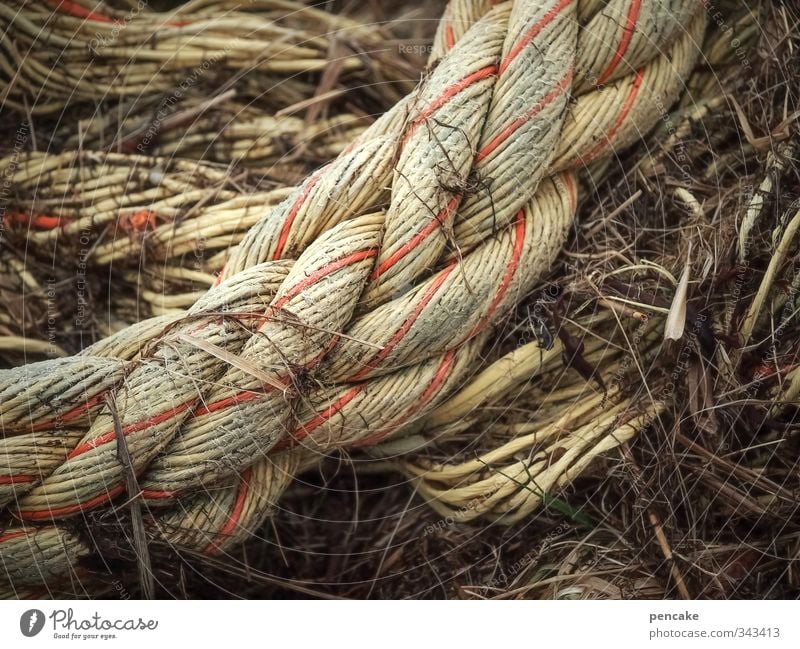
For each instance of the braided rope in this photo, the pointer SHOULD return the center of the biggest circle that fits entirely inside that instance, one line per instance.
(337, 321)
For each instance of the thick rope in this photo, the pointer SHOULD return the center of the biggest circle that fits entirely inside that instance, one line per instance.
(382, 313)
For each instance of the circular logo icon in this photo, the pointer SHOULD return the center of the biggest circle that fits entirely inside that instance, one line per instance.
(31, 622)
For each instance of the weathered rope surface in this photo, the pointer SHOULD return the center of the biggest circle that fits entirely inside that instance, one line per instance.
(337, 321)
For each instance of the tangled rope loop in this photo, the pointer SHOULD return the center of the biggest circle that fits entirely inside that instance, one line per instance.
(358, 303)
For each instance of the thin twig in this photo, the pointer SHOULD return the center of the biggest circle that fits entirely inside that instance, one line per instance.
(134, 504)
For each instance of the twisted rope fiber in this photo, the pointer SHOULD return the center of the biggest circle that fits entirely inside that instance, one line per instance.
(337, 322)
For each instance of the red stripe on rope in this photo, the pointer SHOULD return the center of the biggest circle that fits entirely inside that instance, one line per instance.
(72, 509)
(627, 34)
(74, 9)
(438, 379)
(236, 512)
(511, 270)
(315, 276)
(73, 413)
(306, 429)
(449, 37)
(523, 42)
(327, 269)
(241, 397)
(419, 237)
(448, 94)
(41, 221)
(534, 110)
(573, 191)
(400, 333)
(14, 535)
(623, 114)
(138, 221)
(46, 222)
(287, 224)
(131, 428)
(149, 494)
(14, 479)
